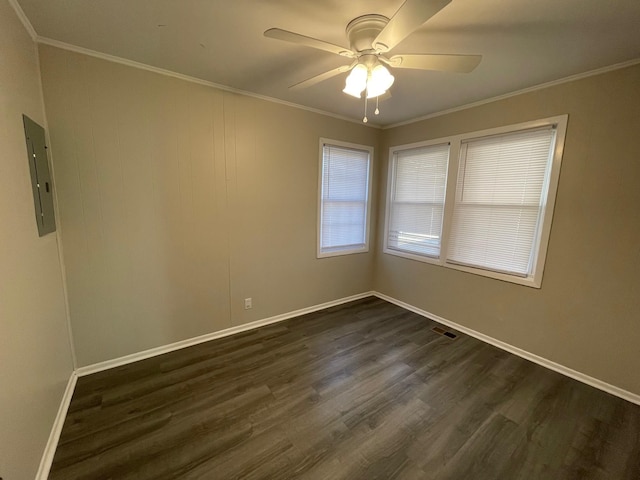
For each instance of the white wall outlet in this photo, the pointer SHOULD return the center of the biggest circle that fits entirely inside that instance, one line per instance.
(247, 303)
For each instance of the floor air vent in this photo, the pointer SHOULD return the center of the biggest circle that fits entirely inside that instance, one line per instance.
(442, 331)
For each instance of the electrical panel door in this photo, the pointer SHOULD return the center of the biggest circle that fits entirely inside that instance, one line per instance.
(40, 176)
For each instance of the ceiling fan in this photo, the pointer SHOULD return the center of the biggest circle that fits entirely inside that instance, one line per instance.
(371, 37)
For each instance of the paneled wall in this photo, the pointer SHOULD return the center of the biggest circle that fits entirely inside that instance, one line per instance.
(178, 201)
(35, 352)
(586, 316)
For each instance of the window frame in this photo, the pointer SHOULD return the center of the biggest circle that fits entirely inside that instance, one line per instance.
(343, 251)
(534, 279)
(390, 184)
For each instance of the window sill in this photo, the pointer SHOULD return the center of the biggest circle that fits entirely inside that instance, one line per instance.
(413, 256)
(337, 253)
(533, 282)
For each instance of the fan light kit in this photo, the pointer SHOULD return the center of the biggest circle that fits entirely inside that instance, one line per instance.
(376, 81)
(371, 37)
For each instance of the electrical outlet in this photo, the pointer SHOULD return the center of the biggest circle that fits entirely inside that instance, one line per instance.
(247, 303)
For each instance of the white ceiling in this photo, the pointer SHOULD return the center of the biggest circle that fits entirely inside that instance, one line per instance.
(523, 42)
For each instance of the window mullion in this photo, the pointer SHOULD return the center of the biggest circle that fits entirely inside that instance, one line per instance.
(450, 197)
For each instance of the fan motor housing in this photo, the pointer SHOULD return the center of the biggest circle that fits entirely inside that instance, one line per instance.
(362, 31)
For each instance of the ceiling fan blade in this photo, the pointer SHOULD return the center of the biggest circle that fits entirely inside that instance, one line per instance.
(322, 77)
(444, 63)
(292, 37)
(406, 20)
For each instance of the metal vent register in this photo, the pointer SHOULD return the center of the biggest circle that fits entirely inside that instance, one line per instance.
(445, 333)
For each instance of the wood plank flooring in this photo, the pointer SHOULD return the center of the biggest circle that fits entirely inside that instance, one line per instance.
(365, 390)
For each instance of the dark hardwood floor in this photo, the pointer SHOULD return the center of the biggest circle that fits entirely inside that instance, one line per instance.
(364, 390)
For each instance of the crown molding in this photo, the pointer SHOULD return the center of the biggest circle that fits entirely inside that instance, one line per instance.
(541, 86)
(24, 19)
(188, 78)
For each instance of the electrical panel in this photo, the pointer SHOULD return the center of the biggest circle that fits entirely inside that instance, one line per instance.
(40, 176)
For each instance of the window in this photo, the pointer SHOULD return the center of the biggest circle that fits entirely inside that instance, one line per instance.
(499, 200)
(495, 217)
(345, 175)
(416, 199)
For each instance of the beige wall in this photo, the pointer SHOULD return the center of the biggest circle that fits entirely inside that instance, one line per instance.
(179, 200)
(35, 355)
(586, 316)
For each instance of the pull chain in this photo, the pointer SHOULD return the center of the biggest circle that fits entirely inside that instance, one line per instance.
(376, 112)
(365, 119)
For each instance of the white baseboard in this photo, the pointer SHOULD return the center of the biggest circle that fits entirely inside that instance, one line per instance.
(581, 377)
(54, 437)
(135, 357)
(56, 430)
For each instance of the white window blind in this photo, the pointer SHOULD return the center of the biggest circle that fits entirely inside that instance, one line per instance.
(417, 200)
(344, 199)
(500, 200)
